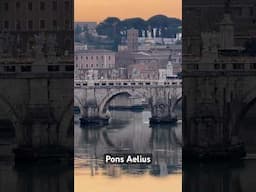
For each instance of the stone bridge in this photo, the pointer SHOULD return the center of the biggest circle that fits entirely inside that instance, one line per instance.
(219, 90)
(32, 109)
(93, 97)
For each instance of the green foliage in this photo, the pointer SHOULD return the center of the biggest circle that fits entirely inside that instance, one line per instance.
(112, 27)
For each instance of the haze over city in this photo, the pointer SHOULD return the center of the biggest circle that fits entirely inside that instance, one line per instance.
(91, 10)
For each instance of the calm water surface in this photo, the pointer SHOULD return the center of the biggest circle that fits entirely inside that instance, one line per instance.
(128, 132)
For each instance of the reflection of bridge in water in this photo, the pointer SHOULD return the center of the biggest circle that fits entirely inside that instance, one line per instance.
(163, 142)
(93, 97)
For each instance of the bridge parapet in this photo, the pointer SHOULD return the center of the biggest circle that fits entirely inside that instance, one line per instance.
(102, 92)
(126, 83)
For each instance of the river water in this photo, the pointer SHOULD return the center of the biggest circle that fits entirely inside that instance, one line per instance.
(128, 132)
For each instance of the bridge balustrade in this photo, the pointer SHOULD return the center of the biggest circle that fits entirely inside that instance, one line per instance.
(34, 68)
(125, 83)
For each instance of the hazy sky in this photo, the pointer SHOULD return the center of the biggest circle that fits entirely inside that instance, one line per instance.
(98, 10)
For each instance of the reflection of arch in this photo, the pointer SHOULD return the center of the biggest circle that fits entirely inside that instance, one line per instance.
(249, 103)
(110, 143)
(176, 103)
(65, 126)
(106, 100)
(11, 114)
(78, 103)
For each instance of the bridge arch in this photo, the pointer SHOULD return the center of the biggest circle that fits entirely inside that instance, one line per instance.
(107, 99)
(78, 103)
(242, 127)
(249, 103)
(174, 106)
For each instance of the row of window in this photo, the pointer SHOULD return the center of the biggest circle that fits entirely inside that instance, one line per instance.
(92, 57)
(30, 24)
(235, 66)
(94, 65)
(28, 68)
(128, 84)
(42, 5)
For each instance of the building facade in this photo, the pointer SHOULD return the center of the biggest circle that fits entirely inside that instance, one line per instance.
(218, 78)
(23, 20)
(132, 39)
(36, 76)
(94, 64)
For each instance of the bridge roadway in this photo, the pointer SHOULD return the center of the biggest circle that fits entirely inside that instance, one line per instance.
(93, 97)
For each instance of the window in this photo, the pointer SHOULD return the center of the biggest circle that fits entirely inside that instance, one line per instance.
(25, 68)
(193, 66)
(54, 23)
(67, 24)
(9, 68)
(30, 24)
(69, 68)
(238, 66)
(42, 6)
(17, 4)
(216, 66)
(251, 11)
(54, 5)
(53, 68)
(239, 11)
(42, 24)
(6, 6)
(223, 66)
(6, 24)
(18, 25)
(67, 5)
(253, 66)
(30, 6)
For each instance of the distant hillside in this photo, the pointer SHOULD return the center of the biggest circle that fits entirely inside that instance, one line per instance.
(113, 26)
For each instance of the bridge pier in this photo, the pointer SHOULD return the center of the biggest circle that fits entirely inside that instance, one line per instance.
(91, 115)
(209, 123)
(94, 98)
(38, 137)
(161, 110)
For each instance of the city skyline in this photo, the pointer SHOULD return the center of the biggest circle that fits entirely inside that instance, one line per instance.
(99, 10)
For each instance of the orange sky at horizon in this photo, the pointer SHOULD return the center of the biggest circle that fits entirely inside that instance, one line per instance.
(98, 10)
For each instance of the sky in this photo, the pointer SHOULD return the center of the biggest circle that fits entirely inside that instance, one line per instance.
(98, 10)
